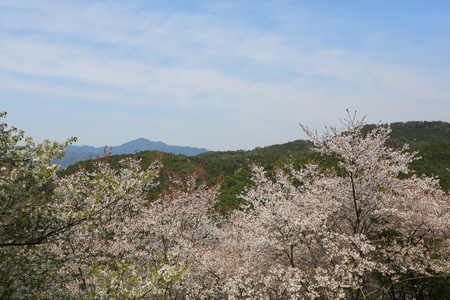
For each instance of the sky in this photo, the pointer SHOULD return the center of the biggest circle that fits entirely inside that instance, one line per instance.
(221, 75)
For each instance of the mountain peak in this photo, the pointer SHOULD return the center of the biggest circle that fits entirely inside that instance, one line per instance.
(79, 153)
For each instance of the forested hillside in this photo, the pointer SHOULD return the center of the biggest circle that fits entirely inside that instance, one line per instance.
(431, 139)
(419, 134)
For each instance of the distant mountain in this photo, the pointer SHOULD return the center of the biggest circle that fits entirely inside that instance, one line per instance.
(72, 158)
(81, 153)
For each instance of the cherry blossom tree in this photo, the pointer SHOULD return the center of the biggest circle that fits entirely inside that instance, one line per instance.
(400, 227)
(182, 225)
(359, 231)
(42, 216)
(136, 247)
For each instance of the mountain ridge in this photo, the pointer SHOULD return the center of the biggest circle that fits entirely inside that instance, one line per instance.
(416, 133)
(80, 153)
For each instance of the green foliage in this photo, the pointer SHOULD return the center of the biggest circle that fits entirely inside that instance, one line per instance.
(27, 217)
(419, 134)
(416, 133)
(435, 161)
(282, 151)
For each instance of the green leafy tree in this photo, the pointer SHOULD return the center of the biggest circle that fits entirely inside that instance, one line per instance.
(26, 214)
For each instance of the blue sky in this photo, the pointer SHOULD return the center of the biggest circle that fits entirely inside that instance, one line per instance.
(222, 75)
